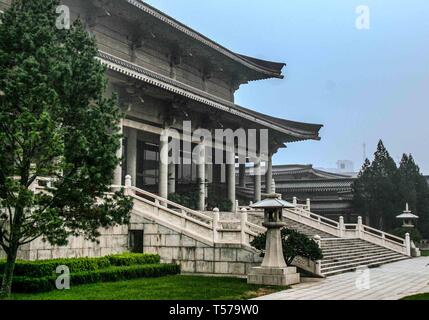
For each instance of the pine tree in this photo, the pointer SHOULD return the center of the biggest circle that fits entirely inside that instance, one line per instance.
(54, 122)
(375, 193)
(385, 202)
(414, 190)
(360, 188)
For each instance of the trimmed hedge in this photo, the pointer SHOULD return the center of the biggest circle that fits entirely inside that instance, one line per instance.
(129, 259)
(112, 274)
(47, 268)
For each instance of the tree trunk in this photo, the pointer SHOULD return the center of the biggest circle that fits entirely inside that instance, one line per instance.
(6, 286)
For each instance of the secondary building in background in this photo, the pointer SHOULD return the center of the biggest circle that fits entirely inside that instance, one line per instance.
(330, 193)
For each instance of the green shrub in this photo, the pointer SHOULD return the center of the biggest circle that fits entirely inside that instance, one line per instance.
(217, 198)
(294, 244)
(414, 233)
(187, 199)
(46, 268)
(129, 259)
(112, 274)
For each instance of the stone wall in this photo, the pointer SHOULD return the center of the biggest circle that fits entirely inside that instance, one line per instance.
(112, 240)
(195, 256)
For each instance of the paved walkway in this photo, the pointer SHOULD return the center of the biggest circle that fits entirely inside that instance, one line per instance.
(388, 282)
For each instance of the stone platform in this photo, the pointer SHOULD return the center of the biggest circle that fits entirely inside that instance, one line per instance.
(273, 276)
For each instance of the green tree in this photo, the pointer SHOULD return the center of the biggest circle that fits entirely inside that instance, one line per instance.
(294, 244)
(375, 191)
(360, 187)
(414, 190)
(56, 122)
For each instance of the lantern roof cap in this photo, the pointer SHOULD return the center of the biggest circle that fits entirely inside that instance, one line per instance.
(272, 201)
(406, 214)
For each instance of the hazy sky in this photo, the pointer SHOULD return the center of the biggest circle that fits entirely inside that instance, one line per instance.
(363, 85)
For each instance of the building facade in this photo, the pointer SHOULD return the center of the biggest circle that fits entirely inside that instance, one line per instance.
(170, 78)
(330, 194)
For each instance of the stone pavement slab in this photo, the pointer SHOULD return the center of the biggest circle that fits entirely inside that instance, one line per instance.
(388, 282)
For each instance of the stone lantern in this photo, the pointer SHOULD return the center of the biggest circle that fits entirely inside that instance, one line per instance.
(273, 270)
(407, 217)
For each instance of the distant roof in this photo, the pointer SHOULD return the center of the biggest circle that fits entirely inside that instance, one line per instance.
(269, 68)
(320, 185)
(288, 171)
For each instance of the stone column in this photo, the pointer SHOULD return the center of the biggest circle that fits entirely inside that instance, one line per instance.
(201, 170)
(117, 176)
(163, 164)
(269, 175)
(231, 177)
(132, 154)
(242, 175)
(257, 179)
(171, 178)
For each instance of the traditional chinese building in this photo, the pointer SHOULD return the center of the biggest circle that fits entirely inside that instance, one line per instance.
(166, 73)
(172, 79)
(330, 194)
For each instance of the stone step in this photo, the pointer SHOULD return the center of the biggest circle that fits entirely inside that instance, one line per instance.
(326, 264)
(352, 254)
(375, 261)
(334, 242)
(352, 268)
(349, 245)
(349, 248)
(344, 244)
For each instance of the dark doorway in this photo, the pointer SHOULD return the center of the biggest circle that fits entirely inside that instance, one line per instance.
(136, 241)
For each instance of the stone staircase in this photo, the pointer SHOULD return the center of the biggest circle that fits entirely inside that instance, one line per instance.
(305, 229)
(345, 247)
(343, 255)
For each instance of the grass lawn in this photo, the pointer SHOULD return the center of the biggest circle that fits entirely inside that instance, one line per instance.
(422, 296)
(425, 253)
(165, 288)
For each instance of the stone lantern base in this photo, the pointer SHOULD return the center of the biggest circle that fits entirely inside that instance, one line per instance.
(273, 276)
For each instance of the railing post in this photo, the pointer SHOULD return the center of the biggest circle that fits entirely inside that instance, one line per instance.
(359, 227)
(128, 183)
(318, 263)
(243, 225)
(407, 244)
(237, 209)
(341, 227)
(294, 201)
(216, 219)
(308, 204)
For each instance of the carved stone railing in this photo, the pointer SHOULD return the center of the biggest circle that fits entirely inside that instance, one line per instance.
(207, 228)
(358, 230)
(351, 231)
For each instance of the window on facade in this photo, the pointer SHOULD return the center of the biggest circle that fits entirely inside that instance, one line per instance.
(147, 164)
(136, 241)
(186, 173)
